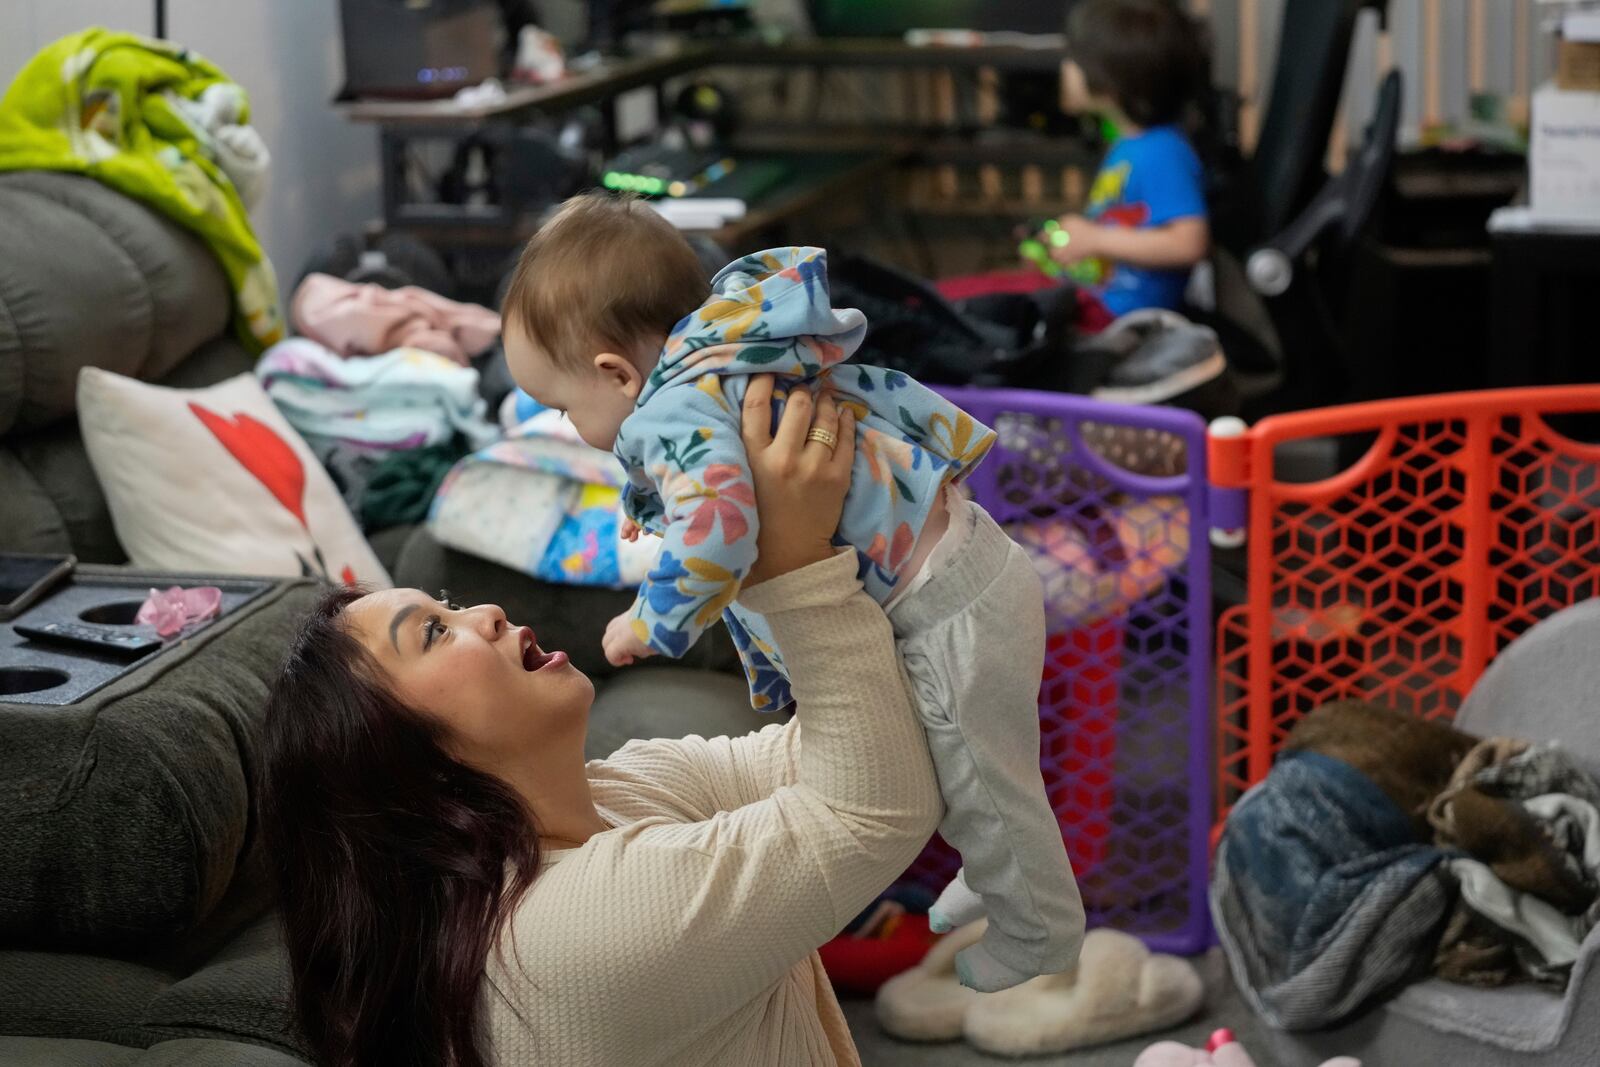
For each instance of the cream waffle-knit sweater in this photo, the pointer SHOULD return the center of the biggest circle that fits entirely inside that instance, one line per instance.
(687, 935)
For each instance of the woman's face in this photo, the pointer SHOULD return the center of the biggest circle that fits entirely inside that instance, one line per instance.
(499, 695)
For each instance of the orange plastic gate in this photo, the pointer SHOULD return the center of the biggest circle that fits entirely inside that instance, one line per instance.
(1468, 519)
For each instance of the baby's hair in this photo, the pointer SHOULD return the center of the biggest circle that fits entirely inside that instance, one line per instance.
(1147, 55)
(605, 272)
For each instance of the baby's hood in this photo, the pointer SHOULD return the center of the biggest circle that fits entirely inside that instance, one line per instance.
(768, 313)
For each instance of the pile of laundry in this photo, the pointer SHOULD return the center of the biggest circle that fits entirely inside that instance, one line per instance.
(1411, 849)
(162, 125)
(542, 502)
(378, 384)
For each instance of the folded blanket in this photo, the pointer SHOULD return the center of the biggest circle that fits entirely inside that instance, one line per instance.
(541, 502)
(355, 319)
(132, 113)
(403, 399)
(1322, 895)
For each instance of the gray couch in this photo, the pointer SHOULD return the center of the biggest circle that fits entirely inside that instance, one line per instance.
(91, 278)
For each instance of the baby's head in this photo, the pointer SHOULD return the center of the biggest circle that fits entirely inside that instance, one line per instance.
(1144, 58)
(592, 300)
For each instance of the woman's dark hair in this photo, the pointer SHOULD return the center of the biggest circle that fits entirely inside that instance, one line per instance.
(1147, 55)
(391, 858)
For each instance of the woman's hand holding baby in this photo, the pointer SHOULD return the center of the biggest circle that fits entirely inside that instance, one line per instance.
(800, 482)
(800, 488)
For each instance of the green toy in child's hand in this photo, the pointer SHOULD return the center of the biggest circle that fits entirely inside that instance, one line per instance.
(1036, 250)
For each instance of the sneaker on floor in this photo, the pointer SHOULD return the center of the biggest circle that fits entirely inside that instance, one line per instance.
(1163, 355)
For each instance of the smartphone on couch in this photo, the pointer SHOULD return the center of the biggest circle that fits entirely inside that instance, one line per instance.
(25, 578)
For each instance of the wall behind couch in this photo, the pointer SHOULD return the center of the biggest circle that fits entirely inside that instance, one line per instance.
(286, 54)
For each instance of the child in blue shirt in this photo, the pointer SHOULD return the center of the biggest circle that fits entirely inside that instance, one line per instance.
(1139, 63)
(609, 318)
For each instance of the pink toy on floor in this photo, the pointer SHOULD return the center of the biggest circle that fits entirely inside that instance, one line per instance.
(1221, 1051)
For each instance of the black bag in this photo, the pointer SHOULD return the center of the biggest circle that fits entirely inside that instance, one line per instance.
(1006, 340)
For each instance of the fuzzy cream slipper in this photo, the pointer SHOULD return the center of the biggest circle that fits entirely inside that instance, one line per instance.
(1118, 990)
(926, 1003)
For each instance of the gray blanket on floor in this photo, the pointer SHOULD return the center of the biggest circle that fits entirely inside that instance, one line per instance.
(1322, 897)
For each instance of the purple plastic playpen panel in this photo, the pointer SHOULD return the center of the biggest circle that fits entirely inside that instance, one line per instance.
(1124, 702)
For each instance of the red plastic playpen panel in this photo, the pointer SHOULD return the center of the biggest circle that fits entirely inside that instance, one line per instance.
(1468, 519)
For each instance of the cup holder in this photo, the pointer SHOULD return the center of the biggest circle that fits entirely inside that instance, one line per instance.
(119, 613)
(16, 680)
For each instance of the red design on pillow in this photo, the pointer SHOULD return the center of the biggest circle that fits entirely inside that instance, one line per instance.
(269, 458)
(264, 454)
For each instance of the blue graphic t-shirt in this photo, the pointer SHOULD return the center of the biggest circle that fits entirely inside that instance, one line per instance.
(1148, 179)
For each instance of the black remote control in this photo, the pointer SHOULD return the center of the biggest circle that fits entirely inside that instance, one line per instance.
(107, 640)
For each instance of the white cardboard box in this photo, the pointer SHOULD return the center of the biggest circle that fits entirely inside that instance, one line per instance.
(1564, 155)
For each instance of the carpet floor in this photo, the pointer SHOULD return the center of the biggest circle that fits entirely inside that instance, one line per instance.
(1223, 1007)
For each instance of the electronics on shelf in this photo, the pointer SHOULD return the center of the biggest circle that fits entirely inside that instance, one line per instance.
(656, 170)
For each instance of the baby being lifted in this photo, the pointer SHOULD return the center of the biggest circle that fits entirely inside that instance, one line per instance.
(609, 319)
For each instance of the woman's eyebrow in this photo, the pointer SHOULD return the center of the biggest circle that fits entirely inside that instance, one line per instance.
(394, 626)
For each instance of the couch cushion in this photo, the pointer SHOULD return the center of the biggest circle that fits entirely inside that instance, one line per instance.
(127, 814)
(63, 994)
(91, 278)
(30, 521)
(64, 1052)
(239, 994)
(42, 1052)
(54, 502)
(649, 701)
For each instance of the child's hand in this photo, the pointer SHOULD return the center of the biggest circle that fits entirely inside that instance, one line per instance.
(1083, 240)
(630, 529)
(622, 646)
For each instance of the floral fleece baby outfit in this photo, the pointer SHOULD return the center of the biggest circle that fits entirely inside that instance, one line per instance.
(974, 660)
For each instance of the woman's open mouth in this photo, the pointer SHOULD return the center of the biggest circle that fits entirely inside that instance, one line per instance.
(536, 659)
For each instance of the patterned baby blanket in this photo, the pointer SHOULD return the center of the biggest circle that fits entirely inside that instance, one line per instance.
(541, 502)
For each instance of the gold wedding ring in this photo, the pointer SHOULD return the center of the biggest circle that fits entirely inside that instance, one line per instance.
(823, 437)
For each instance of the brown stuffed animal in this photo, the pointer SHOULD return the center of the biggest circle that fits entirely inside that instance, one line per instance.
(1414, 761)
(1410, 759)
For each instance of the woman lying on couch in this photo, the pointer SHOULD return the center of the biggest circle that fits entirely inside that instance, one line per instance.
(459, 888)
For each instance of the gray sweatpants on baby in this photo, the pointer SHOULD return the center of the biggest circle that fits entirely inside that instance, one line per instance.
(972, 639)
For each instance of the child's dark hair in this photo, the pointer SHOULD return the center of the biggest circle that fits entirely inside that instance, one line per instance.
(1147, 55)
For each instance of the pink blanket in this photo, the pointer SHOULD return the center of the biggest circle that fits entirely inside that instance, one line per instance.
(369, 320)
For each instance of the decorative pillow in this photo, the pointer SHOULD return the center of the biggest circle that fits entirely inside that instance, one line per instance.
(216, 480)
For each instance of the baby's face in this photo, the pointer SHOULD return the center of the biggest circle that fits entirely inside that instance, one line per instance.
(596, 403)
